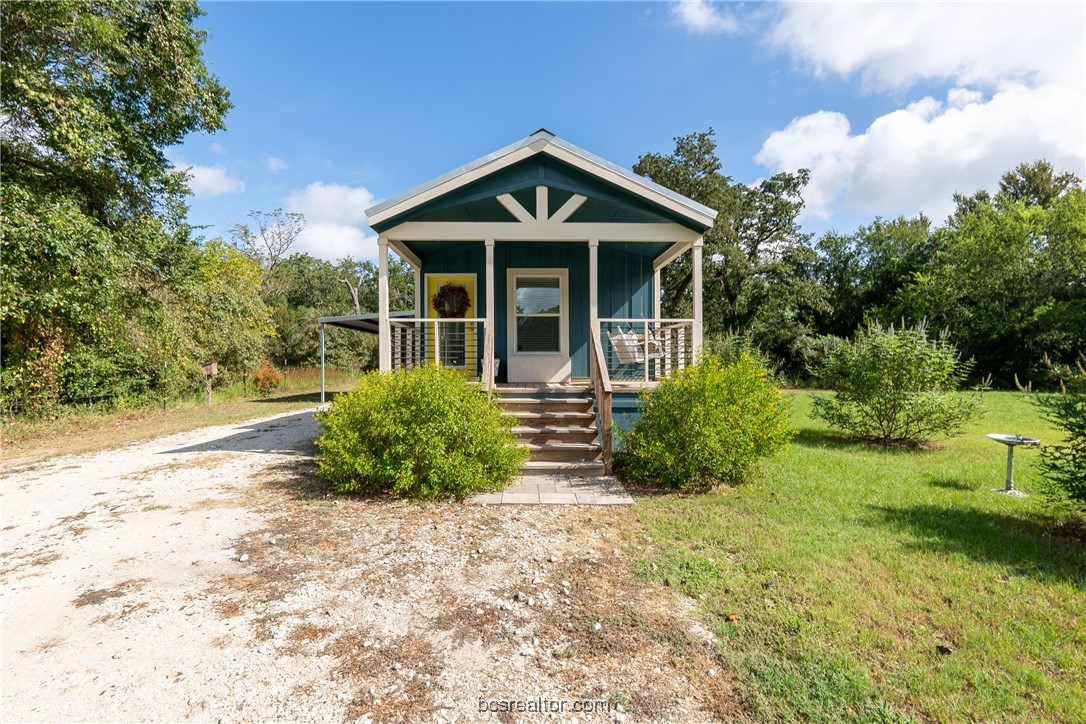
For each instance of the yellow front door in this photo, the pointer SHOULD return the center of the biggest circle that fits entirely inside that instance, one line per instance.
(455, 345)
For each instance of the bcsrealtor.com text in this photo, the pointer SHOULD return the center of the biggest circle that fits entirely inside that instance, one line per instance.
(539, 705)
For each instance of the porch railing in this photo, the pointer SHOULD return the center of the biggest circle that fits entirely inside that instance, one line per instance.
(459, 344)
(601, 386)
(646, 350)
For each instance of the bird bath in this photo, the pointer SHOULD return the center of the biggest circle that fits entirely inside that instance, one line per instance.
(1012, 441)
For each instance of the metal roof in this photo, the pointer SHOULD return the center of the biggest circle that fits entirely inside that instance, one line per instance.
(547, 138)
(361, 322)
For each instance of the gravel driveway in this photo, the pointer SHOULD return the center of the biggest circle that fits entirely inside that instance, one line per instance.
(208, 576)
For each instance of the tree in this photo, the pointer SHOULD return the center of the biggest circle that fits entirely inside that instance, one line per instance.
(1009, 278)
(269, 242)
(758, 270)
(1036, 184)
(223, 307)
(865, 274)
(93, 215)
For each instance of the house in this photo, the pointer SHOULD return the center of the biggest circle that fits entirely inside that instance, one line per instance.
(537, 271)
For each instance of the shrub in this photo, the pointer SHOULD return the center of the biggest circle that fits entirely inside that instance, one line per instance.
(897, 387)
(423, 433)
(1063, 467)
(266, 378)
(708, 423)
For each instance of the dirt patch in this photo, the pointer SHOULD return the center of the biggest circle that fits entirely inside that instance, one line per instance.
(96, 596)
(432, 608)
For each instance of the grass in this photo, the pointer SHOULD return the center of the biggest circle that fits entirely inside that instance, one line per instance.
(874, 584)
(26, 441)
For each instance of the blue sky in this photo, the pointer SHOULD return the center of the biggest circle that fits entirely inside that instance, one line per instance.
(893, 107)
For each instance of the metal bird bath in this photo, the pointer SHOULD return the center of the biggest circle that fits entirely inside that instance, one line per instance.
(1012, 441)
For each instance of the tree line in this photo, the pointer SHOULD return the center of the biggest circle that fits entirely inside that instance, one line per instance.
(109, 294)
(1005, 273)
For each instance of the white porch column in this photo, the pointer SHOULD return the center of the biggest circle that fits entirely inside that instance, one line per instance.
(593, 286)
(656, 294)
(384, 333)
(491, 312)
(698, 327)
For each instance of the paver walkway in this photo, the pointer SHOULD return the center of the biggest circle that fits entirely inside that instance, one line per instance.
(539, 489)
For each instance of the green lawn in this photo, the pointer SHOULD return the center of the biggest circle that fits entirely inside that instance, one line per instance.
(875, 583)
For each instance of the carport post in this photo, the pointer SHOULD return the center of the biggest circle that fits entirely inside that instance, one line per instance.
(322, 363)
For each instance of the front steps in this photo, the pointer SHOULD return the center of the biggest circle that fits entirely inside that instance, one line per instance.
(557, 428)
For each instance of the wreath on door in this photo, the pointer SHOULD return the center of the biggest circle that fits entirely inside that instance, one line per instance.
(451, 301)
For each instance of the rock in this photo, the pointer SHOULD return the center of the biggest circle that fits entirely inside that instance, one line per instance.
(597, 626)
(520, 597)
(244, 557)
(712, 672)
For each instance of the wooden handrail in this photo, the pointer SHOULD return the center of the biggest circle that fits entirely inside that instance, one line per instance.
(601, 384)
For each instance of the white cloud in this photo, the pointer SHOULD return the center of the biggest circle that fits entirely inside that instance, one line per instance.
(217, 148)
(212, 181)
(894, 45)
(275, 164)
(701, 16)
(335, 221)
(1018, 93)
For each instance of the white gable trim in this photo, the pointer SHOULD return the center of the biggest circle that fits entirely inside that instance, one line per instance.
(542, 142)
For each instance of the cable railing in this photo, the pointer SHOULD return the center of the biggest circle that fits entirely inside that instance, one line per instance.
(646, 350)
(458, 344)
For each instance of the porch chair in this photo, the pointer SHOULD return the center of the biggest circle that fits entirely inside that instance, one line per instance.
(630, 347)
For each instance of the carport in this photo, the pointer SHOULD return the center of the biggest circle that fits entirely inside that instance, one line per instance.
(357, 322)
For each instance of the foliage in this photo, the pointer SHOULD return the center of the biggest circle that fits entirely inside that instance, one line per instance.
(423, 433)
(266, 378)
(268, 244)
(224, 308)
(896, 386)
(708, 423)
(1064, 466)
(1009, 278)
(758, 265)
(95, 248)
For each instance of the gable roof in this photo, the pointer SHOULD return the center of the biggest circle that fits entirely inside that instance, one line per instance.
(544, 142)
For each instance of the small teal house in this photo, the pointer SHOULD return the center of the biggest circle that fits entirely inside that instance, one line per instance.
(537, 271)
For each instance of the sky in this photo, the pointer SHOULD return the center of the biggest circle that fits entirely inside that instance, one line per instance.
(892, 106)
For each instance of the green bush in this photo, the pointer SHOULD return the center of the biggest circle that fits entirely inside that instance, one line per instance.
(897, 387)
(423, 433)
(1063, 467)
(705, 424)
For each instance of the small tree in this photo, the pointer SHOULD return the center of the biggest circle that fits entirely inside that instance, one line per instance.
(1063, 467)
(897, 387)
(708, 423)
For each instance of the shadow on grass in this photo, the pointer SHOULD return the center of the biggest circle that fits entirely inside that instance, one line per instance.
(812, 437)
(951, 484)
(1033, 547)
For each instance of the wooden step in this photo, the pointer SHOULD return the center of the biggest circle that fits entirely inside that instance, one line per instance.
(545, 429)
(543, 467)
(544, 401)
(569, 446)
(526, 389)
(530, 415)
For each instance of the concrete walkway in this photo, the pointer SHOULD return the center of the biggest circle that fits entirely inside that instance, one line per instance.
(539, 489)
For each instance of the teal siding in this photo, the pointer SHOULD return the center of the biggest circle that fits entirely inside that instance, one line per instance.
(625, 285)
(625, 412)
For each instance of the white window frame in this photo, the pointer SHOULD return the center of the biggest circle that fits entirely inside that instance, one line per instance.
(563, 312)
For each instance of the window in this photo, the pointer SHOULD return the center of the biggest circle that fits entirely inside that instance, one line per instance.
(538, 301)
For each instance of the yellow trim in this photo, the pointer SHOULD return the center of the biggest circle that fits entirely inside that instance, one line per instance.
(433, 283)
